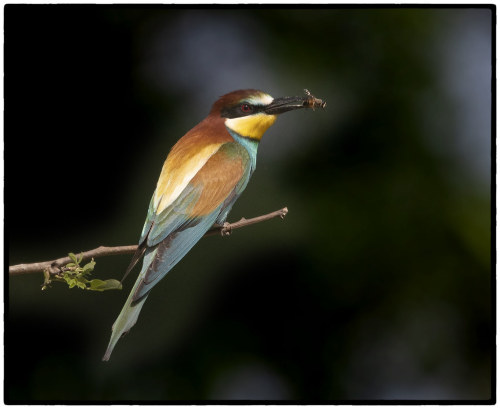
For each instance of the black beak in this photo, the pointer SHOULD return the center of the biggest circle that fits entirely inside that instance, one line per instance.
(284, 104)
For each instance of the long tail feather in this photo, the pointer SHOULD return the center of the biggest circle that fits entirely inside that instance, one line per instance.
(136, 257)
(126, 320)
(130, 311)
(158, 261)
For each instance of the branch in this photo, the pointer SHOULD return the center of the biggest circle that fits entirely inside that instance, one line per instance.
(54, 266)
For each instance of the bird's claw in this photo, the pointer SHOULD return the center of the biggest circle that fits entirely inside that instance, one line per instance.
(226, 229)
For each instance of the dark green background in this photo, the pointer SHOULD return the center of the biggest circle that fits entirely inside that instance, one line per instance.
(377, 285)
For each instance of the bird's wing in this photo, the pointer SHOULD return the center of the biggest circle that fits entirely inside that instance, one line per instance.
(176, 229)
(183, 163)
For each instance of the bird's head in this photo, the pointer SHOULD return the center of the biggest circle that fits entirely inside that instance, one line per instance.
(250, 112)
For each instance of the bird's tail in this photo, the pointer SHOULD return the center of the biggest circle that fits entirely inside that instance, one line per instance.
(130, 311)
(157, 262)
(126, 320)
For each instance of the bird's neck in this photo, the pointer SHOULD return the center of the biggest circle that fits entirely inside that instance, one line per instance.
(249, 144)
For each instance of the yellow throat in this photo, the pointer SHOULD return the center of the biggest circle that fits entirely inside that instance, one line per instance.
(252, 126)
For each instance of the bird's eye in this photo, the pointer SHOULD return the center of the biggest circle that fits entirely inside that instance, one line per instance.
(246, 108)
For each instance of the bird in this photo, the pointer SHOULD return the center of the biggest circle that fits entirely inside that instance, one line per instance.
(203, 175)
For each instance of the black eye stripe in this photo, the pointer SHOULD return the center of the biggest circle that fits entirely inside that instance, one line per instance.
(236, 110)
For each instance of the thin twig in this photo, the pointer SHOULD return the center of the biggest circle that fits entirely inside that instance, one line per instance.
(54, 266)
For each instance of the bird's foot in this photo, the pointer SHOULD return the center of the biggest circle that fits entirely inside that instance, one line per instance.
(225, 229)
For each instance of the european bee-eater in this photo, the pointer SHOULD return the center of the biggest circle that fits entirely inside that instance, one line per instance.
(203, 175)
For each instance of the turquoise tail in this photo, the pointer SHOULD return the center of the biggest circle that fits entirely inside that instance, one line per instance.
(126, 320)
(158, 261)
(130, 311)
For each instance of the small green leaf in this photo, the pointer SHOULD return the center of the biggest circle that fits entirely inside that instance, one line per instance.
(70, 265)
(87, 268)
(73, 257)
(96, 283)
(100, 285)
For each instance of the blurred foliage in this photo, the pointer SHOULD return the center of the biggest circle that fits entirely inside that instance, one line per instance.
(377, 285)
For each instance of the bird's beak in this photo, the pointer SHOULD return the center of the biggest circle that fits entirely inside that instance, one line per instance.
(284, 104)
